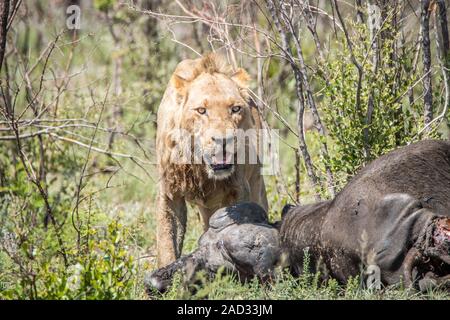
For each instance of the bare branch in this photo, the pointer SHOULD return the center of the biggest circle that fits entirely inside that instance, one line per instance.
(426, 50)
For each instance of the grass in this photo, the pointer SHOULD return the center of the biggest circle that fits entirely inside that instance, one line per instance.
(287, 287)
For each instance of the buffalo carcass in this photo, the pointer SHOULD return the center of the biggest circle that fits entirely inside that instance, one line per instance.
(393, 215)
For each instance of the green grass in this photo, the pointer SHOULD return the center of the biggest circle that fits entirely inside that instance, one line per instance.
(287, 287)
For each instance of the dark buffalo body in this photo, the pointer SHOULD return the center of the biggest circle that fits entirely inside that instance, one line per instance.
(392, 206)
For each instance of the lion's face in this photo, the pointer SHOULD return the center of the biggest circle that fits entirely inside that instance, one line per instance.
(214, 108)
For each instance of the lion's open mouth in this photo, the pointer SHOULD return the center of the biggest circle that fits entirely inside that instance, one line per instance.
(220, 170)
(221, 167)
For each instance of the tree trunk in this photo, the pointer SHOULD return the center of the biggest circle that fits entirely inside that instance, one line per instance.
(445, 48)
(428, 91)
(441, 17)
(4, 14)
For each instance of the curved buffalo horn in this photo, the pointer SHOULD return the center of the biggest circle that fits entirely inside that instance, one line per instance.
(412, 258)
(160, 279)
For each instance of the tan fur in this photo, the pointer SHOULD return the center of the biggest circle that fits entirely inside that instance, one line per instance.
(208, 83)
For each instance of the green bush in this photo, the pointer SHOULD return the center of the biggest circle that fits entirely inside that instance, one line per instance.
(395, 122)
(90, 262)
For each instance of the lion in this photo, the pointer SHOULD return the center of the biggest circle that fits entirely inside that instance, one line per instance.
(205, 103)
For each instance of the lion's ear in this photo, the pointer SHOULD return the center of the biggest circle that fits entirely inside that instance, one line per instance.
(241, 77)
(180, 84)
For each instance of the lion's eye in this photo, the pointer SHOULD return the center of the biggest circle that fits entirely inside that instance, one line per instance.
(236, 109)
(201, 110)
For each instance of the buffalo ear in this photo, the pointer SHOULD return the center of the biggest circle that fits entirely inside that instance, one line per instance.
(241, 77)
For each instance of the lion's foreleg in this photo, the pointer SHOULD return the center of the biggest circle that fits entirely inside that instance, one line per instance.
(205, 214)
(171, 220)
(263, 196)
(258, 189)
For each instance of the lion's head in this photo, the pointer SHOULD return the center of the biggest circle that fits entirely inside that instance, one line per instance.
(211, 104)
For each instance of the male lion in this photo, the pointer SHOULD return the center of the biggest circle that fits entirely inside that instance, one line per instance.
(206, 102)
